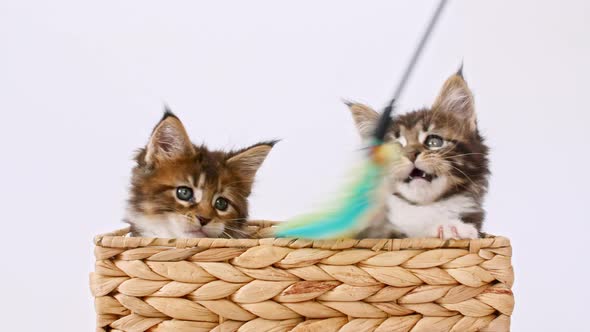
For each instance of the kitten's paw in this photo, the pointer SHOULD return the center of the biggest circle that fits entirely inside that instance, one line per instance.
(455, 230)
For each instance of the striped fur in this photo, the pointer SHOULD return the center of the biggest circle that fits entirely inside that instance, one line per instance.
(170, 161)
(436, 191)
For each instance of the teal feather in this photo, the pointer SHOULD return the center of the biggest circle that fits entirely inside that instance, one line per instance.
(360, 203)
(363, 199)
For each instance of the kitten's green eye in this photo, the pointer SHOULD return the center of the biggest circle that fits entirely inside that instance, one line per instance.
(184, 193)
(221, 204)
(434, 142)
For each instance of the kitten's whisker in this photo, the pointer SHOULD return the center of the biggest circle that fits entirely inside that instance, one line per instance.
(466, 176)
(242, 232)
(445, 152)
(234, 229)
(246, 234)
(227, 234)
(465, 154)
(235, 219)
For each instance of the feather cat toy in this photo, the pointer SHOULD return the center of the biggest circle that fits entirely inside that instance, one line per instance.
(363, 197)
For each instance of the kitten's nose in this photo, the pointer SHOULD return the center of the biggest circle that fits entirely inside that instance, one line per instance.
(203, 220)
(413, 155)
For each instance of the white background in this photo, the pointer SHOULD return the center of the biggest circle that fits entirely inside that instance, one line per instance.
(82, 84)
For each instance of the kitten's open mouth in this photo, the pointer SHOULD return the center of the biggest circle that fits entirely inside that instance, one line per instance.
(418, 174)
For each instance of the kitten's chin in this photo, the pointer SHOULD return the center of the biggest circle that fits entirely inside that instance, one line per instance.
(191, 234)
(422, 191)
(171, 225)
(168, 225)
(213, 229)
(210, 230)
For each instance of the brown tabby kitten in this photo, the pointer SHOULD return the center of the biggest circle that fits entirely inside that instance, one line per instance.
(439, 184)
(182, 190)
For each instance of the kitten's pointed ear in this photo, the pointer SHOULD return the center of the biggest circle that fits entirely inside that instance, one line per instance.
(456, 97)
(169, 141)
(247, 161)
(365, 118)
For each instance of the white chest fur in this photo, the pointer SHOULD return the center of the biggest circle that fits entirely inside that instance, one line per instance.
(166, 226)
(427, 220)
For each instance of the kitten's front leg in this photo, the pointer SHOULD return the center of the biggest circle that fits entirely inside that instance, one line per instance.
(453, 229)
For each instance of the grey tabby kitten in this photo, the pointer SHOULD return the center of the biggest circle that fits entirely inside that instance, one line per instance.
(438, 186)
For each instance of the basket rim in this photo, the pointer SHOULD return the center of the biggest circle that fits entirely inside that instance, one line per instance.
(119, 239)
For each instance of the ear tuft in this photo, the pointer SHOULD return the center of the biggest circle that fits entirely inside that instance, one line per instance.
(167, 113)
(460, 70)
(455, 97)
(169, 141)
(365, 118)
(347, 102)
(247, 161)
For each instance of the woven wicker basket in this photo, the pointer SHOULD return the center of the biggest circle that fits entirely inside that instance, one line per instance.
(266, 284)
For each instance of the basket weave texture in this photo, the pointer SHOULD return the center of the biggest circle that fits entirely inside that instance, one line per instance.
(268, 284)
